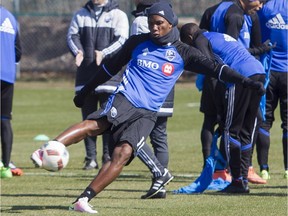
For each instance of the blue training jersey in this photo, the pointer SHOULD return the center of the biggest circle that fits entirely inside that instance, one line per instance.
(234, 54)
(151, 64)
(217, 23)
(8, 32)
(274, 26)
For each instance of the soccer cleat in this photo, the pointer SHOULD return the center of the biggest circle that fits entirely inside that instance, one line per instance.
(254, 178)
(90, 164)
(160, 195)
(82, 205)
(236, 187)
(265, 175)
(6, 172)
(223, 174)
(36, 157)
(15, 171)
(286, 174)
(158, 184)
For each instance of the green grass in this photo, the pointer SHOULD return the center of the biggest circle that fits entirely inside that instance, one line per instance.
(47, 108)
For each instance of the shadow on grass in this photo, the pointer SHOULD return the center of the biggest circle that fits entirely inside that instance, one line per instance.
(36, 195)
(271, 187)
(20, 208)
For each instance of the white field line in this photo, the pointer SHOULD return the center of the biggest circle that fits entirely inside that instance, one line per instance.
(192, 105)
(71, 174)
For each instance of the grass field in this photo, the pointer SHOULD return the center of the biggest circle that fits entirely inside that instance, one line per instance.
(47, 108)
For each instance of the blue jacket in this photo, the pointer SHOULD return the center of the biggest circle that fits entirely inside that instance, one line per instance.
(217, 23)
(274, 23)
(10, 46)
(234, 54)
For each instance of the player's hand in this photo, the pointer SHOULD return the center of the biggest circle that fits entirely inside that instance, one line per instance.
(267, 46)
(79, 99)
(79, 58)
(99, 57)
(258, 86)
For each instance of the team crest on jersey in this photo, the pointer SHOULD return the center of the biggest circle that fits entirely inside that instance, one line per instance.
(113, 112)
(168, 69)
(170, 55)
(145, 51)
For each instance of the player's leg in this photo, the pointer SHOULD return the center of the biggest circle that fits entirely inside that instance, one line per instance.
(207, 132)
(158, 139)
(75, 134)
(107, 136)
(208, 106)
(246, 134)
(233, 123)
(107, 174)
(284, 115)
(262, 147)
(156, 168)
(264, 131)
(120, 157)
(149, 159)
(78, 132)
(90, 142)
(7, 91)
(131, 137)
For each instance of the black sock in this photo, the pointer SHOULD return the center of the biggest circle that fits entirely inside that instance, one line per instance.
(89, 193)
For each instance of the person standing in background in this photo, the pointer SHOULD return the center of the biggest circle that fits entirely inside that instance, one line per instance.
(274, 26)
(97, 31)
(238, 106)
(238, 19)
(10, 55)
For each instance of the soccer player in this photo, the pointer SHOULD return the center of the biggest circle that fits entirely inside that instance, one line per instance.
(154, 63)
(274, 20)
(238, 107)
(238, 19)
(10, 54)
(158, 136)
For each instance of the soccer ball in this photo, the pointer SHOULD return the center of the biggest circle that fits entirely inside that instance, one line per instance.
(55, 156)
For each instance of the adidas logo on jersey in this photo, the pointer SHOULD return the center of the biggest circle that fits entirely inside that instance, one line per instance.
(7, 27)
(277, 22)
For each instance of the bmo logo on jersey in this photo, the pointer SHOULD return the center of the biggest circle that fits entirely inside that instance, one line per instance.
(168, 69)
(147, 64)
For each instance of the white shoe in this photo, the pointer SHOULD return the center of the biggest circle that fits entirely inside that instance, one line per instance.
(82, 205)
(36, 157)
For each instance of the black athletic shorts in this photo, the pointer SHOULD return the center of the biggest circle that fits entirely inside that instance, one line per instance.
(129, 124)
(7, 90)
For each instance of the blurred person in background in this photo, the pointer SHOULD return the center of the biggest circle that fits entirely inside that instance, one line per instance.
(10, 55)
(237, 106)
(97, 31)
(274, 26)
(238, 19)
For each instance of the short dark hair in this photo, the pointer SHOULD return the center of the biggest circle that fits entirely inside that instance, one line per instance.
(188, 29)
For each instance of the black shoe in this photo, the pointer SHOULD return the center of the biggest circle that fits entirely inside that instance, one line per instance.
(160, 195)
(236, 187)
(158, 184)
(90, 164)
